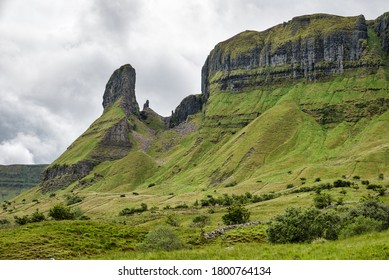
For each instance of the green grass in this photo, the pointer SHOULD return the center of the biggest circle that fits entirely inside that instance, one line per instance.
(84, 146)
(373, 246)
(66, 240)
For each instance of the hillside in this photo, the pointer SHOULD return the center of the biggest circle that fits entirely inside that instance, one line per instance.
(14, 179)
(284, 114)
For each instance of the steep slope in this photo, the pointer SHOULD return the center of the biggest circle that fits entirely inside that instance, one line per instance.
(109, 138)
(305, 99)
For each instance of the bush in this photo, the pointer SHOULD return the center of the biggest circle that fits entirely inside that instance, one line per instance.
(360, 225)
(237, 214)
(131, 211)
(22, 220)
(200, 221)
(37, 217)
(161, 239)
(73, 200)
(375, 210)
(172, 221)
(182, 206)
(296, 226)
(61, 212)
(322, 200)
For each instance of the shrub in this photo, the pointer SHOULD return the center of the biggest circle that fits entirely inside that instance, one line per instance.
(375, 210)
(143, 207)
(341, 184)
(22, 220)
(131, 211)
(200, 221)
(61, 212)
(37, 217)
(360, 225)
(322, 200)
(172, 221)
(237, 214)
(181, 206)
(161, 239)
(289, 186)
(296, 226)
(357, 178)
(73, 199)
(151, 185)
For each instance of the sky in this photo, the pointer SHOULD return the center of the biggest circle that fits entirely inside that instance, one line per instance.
(57, 56)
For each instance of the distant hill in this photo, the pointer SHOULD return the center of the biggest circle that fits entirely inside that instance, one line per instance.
(14, 179)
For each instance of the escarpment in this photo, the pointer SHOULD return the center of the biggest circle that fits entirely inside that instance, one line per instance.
(307, 91)
(307, 47)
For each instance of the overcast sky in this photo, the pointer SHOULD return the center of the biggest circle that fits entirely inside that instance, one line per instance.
(57, 56)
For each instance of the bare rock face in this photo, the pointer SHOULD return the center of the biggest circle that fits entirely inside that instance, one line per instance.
(381, 27)
(122, 85)
(307, 47)
(191, 104)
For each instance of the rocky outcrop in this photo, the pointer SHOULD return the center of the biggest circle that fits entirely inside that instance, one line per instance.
(113, 140)
(307, 47)
(381, 27)
(58, 177)
(190, 105)
(122, 85)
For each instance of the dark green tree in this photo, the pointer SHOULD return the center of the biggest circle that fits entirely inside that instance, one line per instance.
(237, 214)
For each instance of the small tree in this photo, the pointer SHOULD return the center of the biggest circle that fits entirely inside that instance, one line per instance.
(322, 200)
(163, 238)
(61, 212)
(237, 214)
(200, 221)
(37, 217)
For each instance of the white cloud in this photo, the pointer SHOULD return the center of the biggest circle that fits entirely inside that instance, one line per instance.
(15, 152)
(56, 57)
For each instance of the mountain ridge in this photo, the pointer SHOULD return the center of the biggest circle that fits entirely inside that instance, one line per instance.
(305, 102)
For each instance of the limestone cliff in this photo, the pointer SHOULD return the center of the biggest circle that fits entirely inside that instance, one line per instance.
(191, 104)
(381, 27)
(307, 47)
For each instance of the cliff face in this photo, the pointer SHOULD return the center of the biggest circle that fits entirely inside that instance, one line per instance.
(191, 104)
(260, 90)
(381, 27)
(307, 47)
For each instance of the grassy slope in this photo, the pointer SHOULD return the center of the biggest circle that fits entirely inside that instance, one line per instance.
(280, 146)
